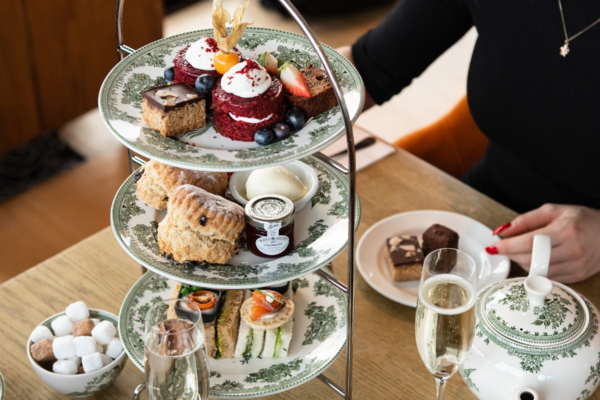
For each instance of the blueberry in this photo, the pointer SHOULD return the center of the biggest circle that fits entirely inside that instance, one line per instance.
(282, 131)
(204, 83)
(170, 74)
(264, 137)
(295, 118)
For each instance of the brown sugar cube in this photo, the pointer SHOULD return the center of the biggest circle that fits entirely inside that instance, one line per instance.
(42, 351)
(83, 328)
(80, 370)
(173, 109)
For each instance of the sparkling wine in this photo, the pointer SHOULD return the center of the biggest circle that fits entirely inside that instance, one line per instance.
(176, 362)
(445, 323)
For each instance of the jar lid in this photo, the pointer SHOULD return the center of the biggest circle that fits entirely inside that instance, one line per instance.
(270, 208)
(507, 310)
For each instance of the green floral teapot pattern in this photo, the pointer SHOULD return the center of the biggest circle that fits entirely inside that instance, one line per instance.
(534, 339)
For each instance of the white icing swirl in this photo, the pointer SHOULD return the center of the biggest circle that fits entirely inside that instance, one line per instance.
(201, 54)
(250, 120)
(246, 82)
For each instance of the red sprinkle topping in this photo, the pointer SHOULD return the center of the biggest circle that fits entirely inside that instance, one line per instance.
(212, 45)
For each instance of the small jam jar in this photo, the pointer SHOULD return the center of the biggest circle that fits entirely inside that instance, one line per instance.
(270, 226)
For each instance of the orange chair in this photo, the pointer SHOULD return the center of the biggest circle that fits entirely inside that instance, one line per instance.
(452, 144)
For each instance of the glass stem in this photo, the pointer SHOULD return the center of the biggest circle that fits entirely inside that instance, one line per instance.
(440, 384)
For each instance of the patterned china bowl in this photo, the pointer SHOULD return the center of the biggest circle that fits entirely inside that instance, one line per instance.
(307, 175)
(535, 339)
(81, 385)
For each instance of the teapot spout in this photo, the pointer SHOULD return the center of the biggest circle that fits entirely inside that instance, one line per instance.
(537, 285)
(528, 394)
(540, 258)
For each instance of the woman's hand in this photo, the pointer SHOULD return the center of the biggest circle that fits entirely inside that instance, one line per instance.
(575, 233)
(346, 51)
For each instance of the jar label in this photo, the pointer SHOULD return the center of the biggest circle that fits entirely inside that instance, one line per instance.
(272, 228)
(274, 243)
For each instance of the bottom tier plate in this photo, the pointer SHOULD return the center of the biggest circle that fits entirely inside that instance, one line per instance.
(318, 339)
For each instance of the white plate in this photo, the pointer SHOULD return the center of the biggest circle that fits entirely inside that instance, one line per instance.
(474, 238)
(320, 230)
(120, 104)
(318, 339)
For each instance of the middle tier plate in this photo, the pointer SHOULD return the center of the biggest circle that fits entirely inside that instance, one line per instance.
(321, 233)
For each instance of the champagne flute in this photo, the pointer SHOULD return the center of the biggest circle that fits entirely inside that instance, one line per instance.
(176, 361)
(445, 318)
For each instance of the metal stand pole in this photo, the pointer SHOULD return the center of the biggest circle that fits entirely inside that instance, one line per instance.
(123, 50)
(352, 193)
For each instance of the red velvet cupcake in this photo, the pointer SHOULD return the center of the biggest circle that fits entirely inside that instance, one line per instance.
(197, 59)
(245, 100)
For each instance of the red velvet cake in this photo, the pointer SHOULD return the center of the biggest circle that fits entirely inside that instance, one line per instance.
(244, 102)
(186, 72)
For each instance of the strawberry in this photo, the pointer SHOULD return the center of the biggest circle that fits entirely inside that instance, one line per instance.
(293, 80)
(269, 62)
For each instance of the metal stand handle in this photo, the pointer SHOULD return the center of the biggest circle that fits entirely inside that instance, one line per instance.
(123, 50)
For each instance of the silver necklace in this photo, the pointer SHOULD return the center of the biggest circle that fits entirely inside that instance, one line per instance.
(564, 50)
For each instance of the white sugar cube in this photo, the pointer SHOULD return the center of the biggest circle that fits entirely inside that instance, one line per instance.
(62, 326)
(64, 347)
(92, 362)
(41, 332)
(106, 359)
(95, 320)
(100, 348)
(114, 348)
(104, 332)
(84, 345)
(76, 359)
(65, 367)
(77, 311)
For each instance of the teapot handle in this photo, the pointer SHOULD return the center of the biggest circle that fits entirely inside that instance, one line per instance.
(540, 258)
(537, 284)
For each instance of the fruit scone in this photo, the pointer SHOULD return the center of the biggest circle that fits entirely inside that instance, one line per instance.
(156, 181)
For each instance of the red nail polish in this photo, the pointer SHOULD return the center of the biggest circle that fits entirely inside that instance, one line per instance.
(491, 250)
(501, 228)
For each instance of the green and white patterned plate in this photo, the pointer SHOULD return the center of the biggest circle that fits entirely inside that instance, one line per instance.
(321, 233)
(120, 102)
(318, 339)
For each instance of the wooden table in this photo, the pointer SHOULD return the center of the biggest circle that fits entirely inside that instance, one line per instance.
(386, 364)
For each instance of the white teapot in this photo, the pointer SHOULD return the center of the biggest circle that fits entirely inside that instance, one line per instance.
(535, 339)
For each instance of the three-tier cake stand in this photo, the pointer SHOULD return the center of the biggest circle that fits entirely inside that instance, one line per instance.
(350, 172)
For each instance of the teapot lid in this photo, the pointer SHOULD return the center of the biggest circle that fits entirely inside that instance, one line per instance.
(509, 310)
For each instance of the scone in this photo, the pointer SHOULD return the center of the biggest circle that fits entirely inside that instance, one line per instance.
(404, 258)
(200, 226)
(156, 181)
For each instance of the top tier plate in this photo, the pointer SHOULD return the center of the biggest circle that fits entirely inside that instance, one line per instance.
(204, 149)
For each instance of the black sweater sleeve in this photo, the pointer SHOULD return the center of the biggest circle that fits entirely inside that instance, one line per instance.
(411, 37)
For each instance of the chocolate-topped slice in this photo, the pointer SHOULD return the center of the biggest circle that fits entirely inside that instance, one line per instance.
(174, 109)
(404, 257)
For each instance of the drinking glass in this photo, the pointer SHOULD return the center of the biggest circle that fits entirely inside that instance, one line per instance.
(445, 318)
(176, 362)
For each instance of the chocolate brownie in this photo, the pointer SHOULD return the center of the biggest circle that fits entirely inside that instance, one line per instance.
(173, 109)
(440, 237)
(321, 90)
(404, 258)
